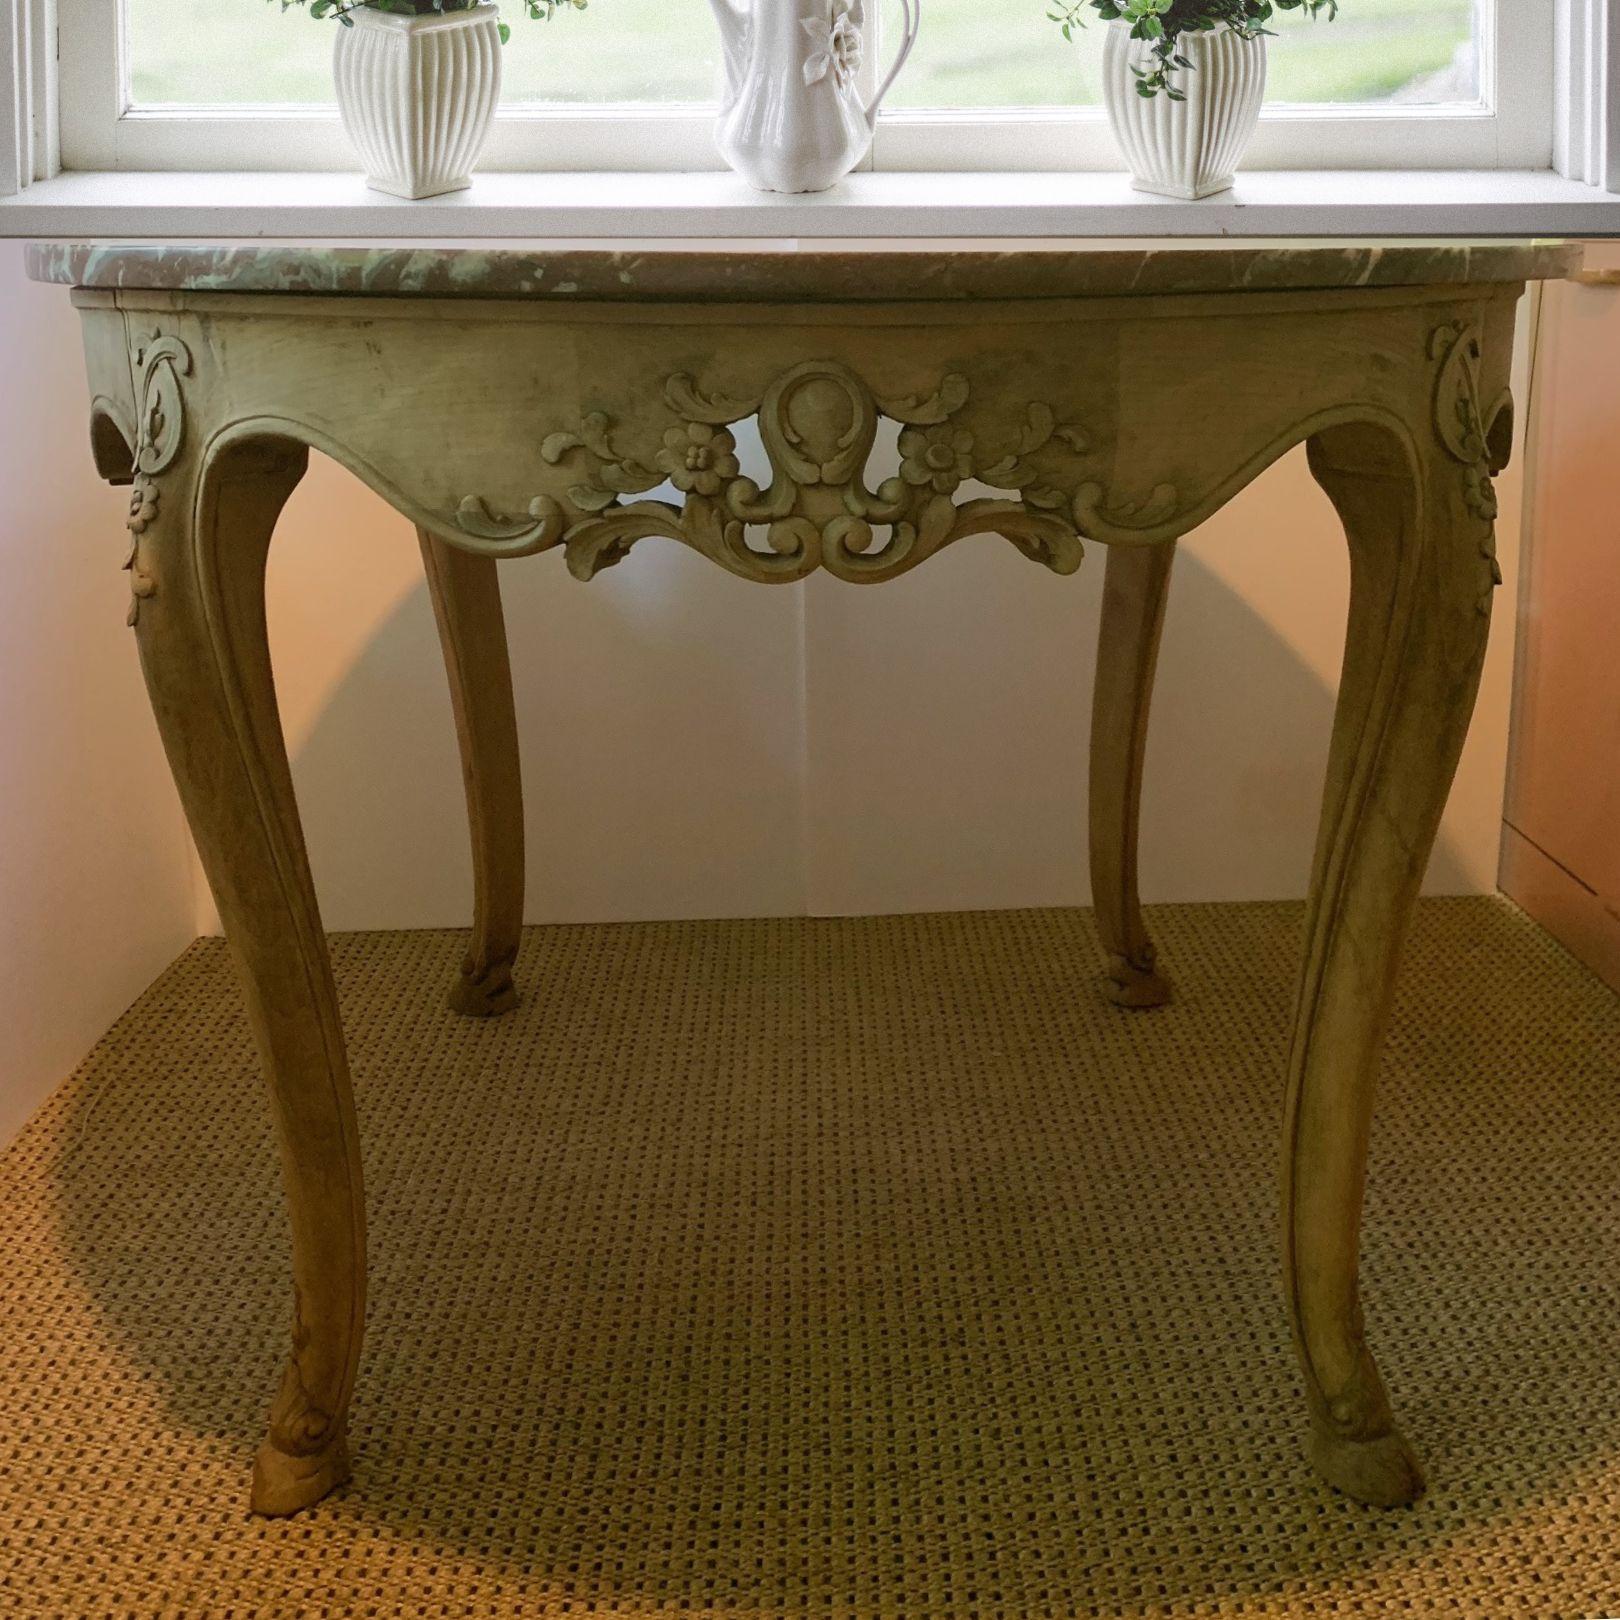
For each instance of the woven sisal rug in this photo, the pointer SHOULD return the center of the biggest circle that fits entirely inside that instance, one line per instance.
(820, 1269)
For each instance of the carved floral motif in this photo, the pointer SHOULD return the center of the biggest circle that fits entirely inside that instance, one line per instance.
(1464, 429)
(160, 362)
(818, 422)
(936, 456)
(698, 458)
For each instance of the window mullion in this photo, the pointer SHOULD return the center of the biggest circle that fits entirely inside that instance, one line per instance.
(29, 147)
(866, 78)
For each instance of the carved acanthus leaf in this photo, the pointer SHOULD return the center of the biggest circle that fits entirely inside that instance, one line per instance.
(512, 537)
(612, 475)
(589, 498)
(929, 410)
(1016, 471)
(1096, 510)
(159, 361)
(1466, 433)
(719, 410)
(1038, 428)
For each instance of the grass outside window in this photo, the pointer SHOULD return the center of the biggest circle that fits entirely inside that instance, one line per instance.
(240, 52)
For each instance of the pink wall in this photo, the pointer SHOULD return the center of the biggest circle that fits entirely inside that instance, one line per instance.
(1561, 844)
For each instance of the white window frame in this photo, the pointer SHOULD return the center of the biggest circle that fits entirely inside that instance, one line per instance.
(47, 105)
(1512, 126)
(29, 114)
(1586, 91)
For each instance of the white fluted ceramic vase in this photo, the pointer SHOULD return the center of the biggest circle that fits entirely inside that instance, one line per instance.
(417, 94)
(1185, 148)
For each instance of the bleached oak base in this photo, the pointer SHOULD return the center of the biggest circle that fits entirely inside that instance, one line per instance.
(509, 404)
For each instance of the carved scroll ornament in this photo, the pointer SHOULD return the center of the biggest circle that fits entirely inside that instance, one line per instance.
(159, 363)
(1466, 432)
(818, 422)
(299, 1426)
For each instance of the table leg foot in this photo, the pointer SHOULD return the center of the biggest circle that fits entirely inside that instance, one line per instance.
(286, 1483)
(1382, 1471)
(485, 993)
(1136, 984)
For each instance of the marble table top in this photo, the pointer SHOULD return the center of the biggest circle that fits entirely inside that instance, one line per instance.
(929, 272)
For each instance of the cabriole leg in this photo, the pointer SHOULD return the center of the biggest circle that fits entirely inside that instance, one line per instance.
(198, 572)
(1135, 589)
(1421, 567)
(466, 597)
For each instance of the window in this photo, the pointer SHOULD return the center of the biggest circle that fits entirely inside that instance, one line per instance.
(1412, 52)
(239, 52)
(235, 84)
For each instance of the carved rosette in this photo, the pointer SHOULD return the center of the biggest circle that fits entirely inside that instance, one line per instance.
(1468, 433)
(818, 422)
(159, 364)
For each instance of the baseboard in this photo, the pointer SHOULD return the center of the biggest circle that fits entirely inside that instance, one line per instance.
(1580, 919)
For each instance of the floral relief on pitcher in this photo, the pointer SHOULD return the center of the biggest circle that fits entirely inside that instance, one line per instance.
(835, 47)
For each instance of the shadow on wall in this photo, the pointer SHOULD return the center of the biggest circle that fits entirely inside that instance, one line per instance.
(695, 745)
(659, 715)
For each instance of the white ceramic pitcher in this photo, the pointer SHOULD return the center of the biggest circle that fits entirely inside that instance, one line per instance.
(792, 118)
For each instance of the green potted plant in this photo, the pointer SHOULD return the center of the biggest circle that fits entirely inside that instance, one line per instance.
(417, 84)
(1183, 82)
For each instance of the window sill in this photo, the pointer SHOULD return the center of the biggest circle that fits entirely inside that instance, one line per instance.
(867, 206)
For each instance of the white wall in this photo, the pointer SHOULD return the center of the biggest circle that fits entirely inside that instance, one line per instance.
(95, 881)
